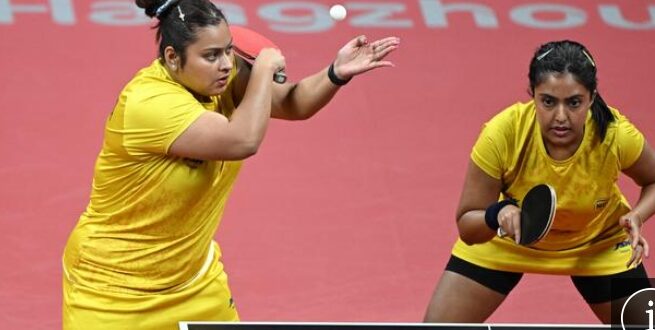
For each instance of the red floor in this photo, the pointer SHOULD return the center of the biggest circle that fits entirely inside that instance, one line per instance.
(346, 217)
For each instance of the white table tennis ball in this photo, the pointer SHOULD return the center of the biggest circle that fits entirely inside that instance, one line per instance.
(338, 12)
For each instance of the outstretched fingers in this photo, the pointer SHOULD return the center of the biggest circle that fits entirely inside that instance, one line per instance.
(386, 42)
(638, 253)
(383, 47)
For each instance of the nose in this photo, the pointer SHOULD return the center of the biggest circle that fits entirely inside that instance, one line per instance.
(560, 113)
(226, 62)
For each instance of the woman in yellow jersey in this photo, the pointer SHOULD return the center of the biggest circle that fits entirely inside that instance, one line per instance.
(142, 255)
(567, 137)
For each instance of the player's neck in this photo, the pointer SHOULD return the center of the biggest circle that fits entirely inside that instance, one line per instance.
(562, 152)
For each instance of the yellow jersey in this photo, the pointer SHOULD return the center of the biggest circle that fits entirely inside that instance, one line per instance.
(152, 217)
(510, 148)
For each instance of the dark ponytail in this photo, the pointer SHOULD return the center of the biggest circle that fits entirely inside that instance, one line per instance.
(571, 57)
(179, 21)
(601, 114)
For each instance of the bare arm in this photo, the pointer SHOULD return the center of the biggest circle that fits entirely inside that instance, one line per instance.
(643, 173)
(298, 101)
(213, 136)
(480, 190)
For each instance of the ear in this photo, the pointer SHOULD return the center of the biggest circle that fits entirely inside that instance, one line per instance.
(171, 59)
(593, 96)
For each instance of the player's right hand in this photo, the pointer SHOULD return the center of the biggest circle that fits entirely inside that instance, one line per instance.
(272, 59)
(509, 219)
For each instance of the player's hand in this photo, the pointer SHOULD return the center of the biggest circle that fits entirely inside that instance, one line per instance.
(271, 58)
(631, 223)
(509, 219)
(359, 55)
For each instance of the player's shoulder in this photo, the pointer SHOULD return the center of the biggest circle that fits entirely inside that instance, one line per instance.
(152, 75)
(516, 115)
(615, 112)
(621, 130)
(520, 110)
(620, 122)
(153, 84)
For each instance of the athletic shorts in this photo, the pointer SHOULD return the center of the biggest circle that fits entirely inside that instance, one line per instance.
(594, 289)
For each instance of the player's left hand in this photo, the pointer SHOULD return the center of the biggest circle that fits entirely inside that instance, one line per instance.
(632, 223)
(359, 55)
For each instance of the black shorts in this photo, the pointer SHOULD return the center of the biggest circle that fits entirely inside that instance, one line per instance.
(594, 289)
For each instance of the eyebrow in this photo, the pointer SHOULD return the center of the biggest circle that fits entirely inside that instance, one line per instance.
(566, 98)
(229, 44)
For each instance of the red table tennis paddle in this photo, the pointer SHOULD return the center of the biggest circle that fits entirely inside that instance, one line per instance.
(247, 45)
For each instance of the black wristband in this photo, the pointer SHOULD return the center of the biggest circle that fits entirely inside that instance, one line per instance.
(333, 77)
(491, 214)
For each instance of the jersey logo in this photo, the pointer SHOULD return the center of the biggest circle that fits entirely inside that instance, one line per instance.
(600, 204)
(621, 245)
(193, 163)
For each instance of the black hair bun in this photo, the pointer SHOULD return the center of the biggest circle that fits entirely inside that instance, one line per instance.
(150, 6)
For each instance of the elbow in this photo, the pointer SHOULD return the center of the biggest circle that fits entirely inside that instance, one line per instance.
(471, 239)
(467, 239)
(241, 154)
(305, 115)
(237, 151)
(248, 149)
(247, 144)
(302, 117)
(251, 151)
(299, 115)
(466, 235)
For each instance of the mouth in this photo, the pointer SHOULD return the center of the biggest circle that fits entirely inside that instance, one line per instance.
(560, 130)
(222, 81)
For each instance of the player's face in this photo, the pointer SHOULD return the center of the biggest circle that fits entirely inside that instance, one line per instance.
(209, 61)
(562, 105)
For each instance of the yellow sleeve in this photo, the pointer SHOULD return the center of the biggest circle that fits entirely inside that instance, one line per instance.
(490, 151)
(154, 120)
(630, 142)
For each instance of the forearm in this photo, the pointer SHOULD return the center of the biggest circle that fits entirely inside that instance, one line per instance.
(473, 229)
(215, 137)
(645, 207)
(252, 115)
(305, 98)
